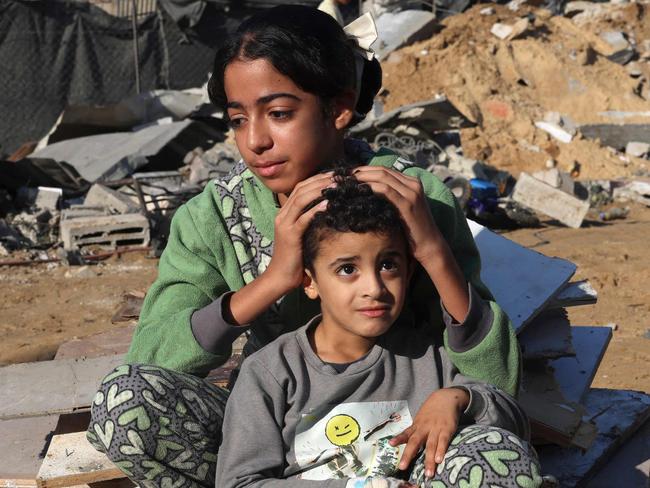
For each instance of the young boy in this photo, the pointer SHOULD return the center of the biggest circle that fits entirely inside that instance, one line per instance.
(328, 402)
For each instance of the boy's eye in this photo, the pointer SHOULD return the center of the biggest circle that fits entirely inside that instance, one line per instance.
(345, 270)
(388, 266)
(236, 122)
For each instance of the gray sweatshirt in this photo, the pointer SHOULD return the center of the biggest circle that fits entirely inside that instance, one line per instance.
(294, 421)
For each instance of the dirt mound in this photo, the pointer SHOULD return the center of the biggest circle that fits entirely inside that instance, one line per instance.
(506, 86)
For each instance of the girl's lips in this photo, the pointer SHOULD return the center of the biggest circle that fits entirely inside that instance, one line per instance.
(268, 170)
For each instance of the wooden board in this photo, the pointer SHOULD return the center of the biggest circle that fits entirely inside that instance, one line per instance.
(550, 201)
(34, 389)
(617, 414)
(114, 341)
(22, 446)
(71, 460)
(522, 281)
(574, 294)
(548, 336)
(575, 374)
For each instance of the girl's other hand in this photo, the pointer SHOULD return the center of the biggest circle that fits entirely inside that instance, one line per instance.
(433, 428)
(407, 194)
(286, 266)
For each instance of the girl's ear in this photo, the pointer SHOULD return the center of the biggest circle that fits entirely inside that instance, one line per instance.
(309, 285)
(344, 110)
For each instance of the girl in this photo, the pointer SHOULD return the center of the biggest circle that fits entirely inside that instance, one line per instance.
(291, 84)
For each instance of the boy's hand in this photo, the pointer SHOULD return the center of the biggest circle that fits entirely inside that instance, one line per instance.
(375, 482)
(433, 427)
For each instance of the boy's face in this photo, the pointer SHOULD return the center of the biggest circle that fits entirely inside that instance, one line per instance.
(361, 280)
(281, 131)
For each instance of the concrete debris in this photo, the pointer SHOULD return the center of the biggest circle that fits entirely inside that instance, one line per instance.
(42, 197)
(638, 149)
(634, 69)
(397, 29)
(636, 190)
(487, 11)
(555, 131)
(202, 166)
(515, 5)
(555, 203)
(502, 31)
(36, 227)
(80, 272)
(618, 136)
(508, 32)
(557, 179)
(114, 201)
(107, 231)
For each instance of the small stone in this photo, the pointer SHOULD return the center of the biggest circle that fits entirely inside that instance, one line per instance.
(502, 31)
(616, 40)
(81, 272)
(555, 131)
(553, 118)
(550, 163)
(487, 11)
(514, 5)
(637, 149)
(634, 69)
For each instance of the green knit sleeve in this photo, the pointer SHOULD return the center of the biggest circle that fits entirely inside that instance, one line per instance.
(188, 279)
(496, 359)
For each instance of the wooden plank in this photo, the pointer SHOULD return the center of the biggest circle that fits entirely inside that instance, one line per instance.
(575, 374)
(521, 280)
(71, 460)
(575, 294)
(550, 201)
(618, 414)
(23, 445)
(34, 389)
(548, 336)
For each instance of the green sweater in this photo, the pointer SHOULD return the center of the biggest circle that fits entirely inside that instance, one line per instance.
(222, 239)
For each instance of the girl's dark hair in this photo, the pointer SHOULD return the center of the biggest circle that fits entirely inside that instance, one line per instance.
(351, 207)
(304, 44)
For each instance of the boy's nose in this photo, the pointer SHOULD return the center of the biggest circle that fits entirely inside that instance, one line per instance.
(373, 286)
(258, 138)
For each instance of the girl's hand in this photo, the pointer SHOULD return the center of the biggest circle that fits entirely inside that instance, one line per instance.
(290, 224)
(407, 194)
(433, 428)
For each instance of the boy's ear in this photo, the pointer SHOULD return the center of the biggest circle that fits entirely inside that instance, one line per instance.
(309, 285)
(344, 109)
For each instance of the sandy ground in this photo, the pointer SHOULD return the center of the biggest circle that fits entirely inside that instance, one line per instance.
(42, 308)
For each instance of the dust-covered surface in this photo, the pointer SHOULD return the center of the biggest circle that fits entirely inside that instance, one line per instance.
(42, 308)
(557, 65)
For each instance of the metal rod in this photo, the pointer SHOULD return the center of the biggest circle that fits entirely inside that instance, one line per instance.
(136, 50)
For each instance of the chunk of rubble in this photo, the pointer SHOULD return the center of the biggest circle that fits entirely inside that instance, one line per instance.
(507, 32)
(116, 202)
(557, 179)
(555, 131)
(42, 197)
(555, 203)
(621, 51)
(637, 149)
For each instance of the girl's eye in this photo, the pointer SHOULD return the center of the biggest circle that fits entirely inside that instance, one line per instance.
(388, 266)
(345, 270)
(281, 114)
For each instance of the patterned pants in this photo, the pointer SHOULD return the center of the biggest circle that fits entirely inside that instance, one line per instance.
(163, 429)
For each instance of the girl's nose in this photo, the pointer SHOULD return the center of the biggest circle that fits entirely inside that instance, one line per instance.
(258, 138)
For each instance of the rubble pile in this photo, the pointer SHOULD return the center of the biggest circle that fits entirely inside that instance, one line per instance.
(530, 81)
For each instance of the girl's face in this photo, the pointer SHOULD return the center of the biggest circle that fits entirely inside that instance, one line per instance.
(282, 132)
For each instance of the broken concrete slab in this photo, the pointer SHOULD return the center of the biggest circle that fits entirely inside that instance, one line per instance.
(538, 277)
(421, 118)
(34, 389)
(548, 336)
(617, 414)
(636, 190)
(575, 374)
(103, 196)
(398, 29)
(617, 135)
(107, 231)
(575, 294)
(550, 201)
(23, 442)
(41, 197)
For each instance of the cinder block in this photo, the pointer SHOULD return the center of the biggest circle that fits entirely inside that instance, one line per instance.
(108, 231)
(102, 196)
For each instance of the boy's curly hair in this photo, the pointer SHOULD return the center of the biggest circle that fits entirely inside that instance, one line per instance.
(351, 207)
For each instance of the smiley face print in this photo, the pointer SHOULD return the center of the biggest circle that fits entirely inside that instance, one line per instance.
(342, 430)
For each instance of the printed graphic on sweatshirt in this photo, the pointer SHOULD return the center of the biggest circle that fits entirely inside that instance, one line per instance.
(350, 440)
